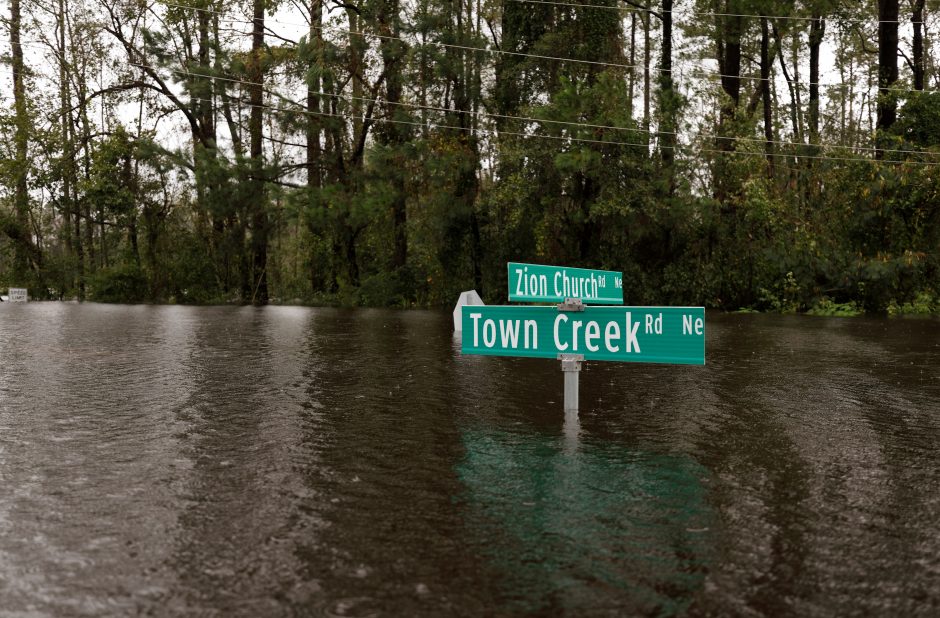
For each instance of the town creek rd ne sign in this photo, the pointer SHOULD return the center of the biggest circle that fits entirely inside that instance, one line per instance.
(550, 284)
(673, 335)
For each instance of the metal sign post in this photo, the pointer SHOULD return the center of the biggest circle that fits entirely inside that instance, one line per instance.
(571, 363)
(571, 367)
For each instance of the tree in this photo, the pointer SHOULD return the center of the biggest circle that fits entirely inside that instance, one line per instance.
(918, 64)
(888, 13)
(257, 289)
(668, 98)
(18, 229)
(729, 33)
(393, 135)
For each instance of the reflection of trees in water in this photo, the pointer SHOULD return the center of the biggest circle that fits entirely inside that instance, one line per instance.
(868, 434)
(385, 436)
(817, 445)
(763, 479)
(578, 527)
(238, 503)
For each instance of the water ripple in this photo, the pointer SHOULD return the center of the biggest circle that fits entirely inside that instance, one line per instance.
(231, 461)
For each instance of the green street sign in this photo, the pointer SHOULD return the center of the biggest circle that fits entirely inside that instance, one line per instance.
(673, 335)
(553, 284)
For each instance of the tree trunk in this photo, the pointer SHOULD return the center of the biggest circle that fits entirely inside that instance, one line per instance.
(796, 50)
(918, 45)
(466, 186)
(817, 29)
(394, 136)
(80, 70)
(70, 203)
(887, 65)
(729, 65)
(314, 124)
(204, 88)
(203, 91)
(647, 59)
(313, 97)
(518, 20)
(258, 282)
(667, 100)
(152, 233)
(21, 149)
(356, 50)
(765, 63)
(794, 102)
(632, 70)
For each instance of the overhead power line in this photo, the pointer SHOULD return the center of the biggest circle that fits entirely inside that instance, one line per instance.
(572, 124)
(498, 133)
(436, 43)
(629, 9)
(579, 125)
(683, 74)
(634, 9)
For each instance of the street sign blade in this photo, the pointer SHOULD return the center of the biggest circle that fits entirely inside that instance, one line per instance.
(674, 335)
(549, 284)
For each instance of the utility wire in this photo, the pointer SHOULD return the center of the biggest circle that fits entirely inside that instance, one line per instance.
(632, 9)
(712, 76)
(498, 133)
(683, 76)
(624, 9)
(437, 43)
(548, 120)
(779, 157)
(580, 125)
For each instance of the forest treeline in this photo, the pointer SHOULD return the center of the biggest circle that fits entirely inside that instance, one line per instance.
(763, 154)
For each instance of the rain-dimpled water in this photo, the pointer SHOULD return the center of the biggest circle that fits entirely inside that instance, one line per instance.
(286, 461)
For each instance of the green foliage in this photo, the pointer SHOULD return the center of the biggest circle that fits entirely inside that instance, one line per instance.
(109, 186)
(387, 289)
(919, 120)
(121, 284)
(783, 296)
(827, 307)
(924, 303)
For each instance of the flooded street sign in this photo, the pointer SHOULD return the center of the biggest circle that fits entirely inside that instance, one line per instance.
(572, 332)
(469, 297)
(674, 335)
(18, 295)
(553, 284)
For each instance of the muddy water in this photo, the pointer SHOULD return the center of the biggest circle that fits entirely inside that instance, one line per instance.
(288, 461)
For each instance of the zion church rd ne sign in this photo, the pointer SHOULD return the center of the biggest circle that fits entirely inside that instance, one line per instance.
(552, 284)
(639, 334)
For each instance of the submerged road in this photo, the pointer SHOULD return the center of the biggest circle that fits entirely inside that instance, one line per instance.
(285, 461)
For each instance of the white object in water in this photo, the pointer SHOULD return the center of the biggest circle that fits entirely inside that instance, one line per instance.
(17, 295)
(466, 298)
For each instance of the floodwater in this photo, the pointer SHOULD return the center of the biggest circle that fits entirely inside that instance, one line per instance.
(178, 461)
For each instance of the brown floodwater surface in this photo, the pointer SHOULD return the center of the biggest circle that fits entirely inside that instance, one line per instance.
(229, 461)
